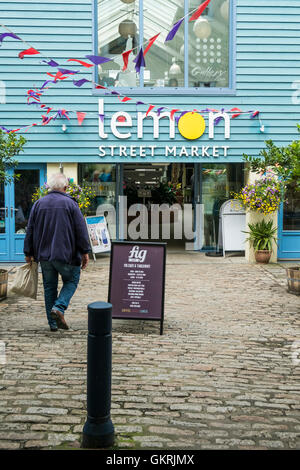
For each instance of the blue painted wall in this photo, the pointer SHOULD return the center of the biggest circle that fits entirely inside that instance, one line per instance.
(267, 64)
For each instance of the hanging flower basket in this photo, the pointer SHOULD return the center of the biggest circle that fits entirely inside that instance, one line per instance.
(264, 196)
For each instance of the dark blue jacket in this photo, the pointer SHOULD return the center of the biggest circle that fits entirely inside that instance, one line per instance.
(56, 230)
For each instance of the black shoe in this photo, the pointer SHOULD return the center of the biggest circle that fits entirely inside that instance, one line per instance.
(59, 318)
(53, 329)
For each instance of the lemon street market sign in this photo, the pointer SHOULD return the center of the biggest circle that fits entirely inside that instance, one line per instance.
(191, 126)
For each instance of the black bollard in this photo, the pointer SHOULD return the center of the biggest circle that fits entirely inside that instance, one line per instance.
(98, 430)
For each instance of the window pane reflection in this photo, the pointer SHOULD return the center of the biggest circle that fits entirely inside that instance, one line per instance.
(291, 213)
(2, 209)
(118, 26)
(25, 186)
(209, 46)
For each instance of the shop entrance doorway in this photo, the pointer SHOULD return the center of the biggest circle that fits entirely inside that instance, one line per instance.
(162, 195)
(177, 203)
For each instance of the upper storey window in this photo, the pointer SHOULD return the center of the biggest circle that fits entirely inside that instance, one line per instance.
(199, 56)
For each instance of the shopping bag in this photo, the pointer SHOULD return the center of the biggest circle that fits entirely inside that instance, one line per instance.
(26, 281)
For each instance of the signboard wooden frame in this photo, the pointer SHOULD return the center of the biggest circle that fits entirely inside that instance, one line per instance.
(122, 275)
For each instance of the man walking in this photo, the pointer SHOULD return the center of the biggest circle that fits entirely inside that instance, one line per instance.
(57, 237)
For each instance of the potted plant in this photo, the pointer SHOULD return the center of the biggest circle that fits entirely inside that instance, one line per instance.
(261, 236)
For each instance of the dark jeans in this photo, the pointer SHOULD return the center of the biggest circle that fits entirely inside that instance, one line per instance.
(70, 276)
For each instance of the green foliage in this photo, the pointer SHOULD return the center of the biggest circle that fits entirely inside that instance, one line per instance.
(284, 162)
(10, 146)
(261, 235)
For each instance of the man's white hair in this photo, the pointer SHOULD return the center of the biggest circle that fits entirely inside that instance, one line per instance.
(58, 181)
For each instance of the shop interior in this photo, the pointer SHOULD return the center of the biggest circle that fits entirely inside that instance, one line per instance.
(167, 184)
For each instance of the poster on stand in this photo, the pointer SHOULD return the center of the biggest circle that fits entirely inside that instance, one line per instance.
(137, 281)
(98, 234)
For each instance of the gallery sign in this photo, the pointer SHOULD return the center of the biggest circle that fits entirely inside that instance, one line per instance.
(137, 281)
(191, 126)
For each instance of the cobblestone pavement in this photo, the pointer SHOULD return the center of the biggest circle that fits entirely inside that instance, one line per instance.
(225, 374)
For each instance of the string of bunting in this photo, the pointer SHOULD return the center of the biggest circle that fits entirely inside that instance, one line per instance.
(34, 95)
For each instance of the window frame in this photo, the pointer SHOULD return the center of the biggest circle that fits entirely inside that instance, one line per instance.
(184, 91)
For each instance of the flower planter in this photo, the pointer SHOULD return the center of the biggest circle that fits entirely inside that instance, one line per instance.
(263, 256)
(293, 280)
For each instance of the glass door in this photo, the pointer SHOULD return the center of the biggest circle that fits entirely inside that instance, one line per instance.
(289, 226)
(15, 206)
(4, 223)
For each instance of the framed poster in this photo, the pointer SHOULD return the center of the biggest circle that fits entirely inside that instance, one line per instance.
(98, 234)
(137, 281)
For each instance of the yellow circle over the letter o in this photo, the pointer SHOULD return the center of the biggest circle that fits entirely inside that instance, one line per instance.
(191, 125)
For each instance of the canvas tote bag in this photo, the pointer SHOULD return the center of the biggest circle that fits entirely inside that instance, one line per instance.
(26, 281)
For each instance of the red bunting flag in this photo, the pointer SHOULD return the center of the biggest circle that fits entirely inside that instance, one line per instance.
(65, 113)
(126, 98)
(150, 109)
(237, 114)
(150, 43)
(101, 87)
(85, 64)
(58, 76)
(173, 112)
(200, 10)
(30, 51)
(80, 117)
(125, 56)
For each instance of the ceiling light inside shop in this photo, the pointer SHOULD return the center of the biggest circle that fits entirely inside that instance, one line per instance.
(224, 10)
(202, 28)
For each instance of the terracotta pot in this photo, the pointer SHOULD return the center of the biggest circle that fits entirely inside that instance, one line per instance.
(263, 256)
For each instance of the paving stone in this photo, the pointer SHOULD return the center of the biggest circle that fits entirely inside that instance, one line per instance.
(221, 376)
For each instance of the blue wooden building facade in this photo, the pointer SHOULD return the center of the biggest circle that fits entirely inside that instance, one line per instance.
(243, 55)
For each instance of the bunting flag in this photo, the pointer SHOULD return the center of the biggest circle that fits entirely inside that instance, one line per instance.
(159, 110)
(150, 43)
(68, 72)
(126, 98)
(139, 61)
(46, 83)
(150, 109)
(200, 10)
(173, 112)
(237, 114)
(178, 117)
(84, 64)
(139, 102)
(51, 62)
(254, 114)
(80, 117)
(57, 76)
(9, 35)
(46, 120)
(125, 56)
(30, 51)
(174, 30)
(81, 82)
(101, 116)
(97, 60)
